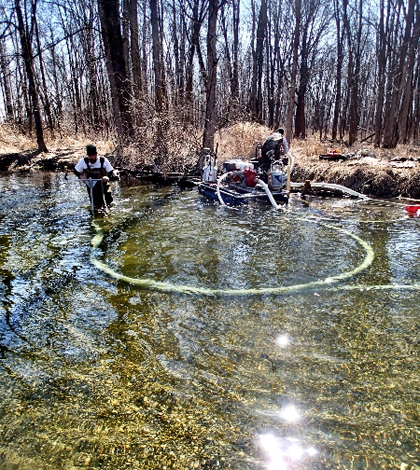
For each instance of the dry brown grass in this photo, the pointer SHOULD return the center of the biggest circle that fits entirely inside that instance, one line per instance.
(375, 175)
(237, 141)
(240, 140)
(312, 147)
(18, 151)
(12, 141)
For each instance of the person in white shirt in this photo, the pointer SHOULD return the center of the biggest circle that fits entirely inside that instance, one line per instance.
(98, 168)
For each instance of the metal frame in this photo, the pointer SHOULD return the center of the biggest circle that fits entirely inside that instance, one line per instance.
(90, 183)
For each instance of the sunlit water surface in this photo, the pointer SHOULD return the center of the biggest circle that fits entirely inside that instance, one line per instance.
(100, 373)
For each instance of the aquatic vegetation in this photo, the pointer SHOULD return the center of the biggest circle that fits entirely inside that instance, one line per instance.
(97, 372)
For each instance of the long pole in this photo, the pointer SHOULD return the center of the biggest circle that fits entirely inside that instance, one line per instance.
(90, 183)
(91, 196)
(103, 195)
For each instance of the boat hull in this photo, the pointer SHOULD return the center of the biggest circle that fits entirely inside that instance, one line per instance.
(238, 194)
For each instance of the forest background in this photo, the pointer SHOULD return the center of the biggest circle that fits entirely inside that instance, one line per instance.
(159, 79)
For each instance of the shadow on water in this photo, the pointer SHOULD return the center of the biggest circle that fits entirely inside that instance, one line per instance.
(99, 373)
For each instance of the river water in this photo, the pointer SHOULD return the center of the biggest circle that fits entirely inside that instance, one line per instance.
(192, 335)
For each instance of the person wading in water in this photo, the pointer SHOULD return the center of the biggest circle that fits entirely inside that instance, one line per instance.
(96, 167)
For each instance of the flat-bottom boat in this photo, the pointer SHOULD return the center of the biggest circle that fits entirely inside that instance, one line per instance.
(236, 193)
(240, 183)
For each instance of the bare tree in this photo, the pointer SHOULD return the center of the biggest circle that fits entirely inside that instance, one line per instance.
(339, 68)
(407, 83)
(210, 121)
(116, 65)
(292, 89)
(400, 76)
(5, 82)
(231, 49)
(382, 35)
(257, 69)
(159, 73)
(27, 55)
(316, 17)
(205, 64)
(354, 49)
(197, 17)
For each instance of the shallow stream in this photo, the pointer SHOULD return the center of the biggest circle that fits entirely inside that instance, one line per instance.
(192, 335)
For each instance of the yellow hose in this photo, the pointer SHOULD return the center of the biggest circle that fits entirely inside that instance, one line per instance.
(186, 289)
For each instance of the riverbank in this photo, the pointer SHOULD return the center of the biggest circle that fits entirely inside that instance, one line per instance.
(373, 172)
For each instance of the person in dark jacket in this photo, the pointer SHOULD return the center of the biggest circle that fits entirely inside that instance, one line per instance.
(277, 142)
(97, 168)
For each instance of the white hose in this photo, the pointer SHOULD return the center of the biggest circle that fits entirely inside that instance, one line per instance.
(187, 289)
(268, 192)
(291, 162)
(290, 167)
(219, 180)
(262, 184)
(336, 187)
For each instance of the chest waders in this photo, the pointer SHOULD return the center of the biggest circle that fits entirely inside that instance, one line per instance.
(99, 193)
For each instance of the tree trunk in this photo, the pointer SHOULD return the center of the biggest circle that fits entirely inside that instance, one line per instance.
(33, 93)
(137, 85)
(292, 90)
(160, 88)
(235, 51)
(45, 99)
(56, 81)
(270, 79)
(178, 88)
(339, 67)
(354, 51)
(134, 48)
(126, 35)
(232, 58)
(93, 93)
(6, 83)
(196, 23)
(275, 70)
(300, 124)
(415, 121)
(381, 52)
(407, 79)
(278, 68)
(390, 139)
(256, 95)
(210, 122)
(117, 71)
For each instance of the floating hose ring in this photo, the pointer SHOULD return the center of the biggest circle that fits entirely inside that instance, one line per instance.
(185, 289)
